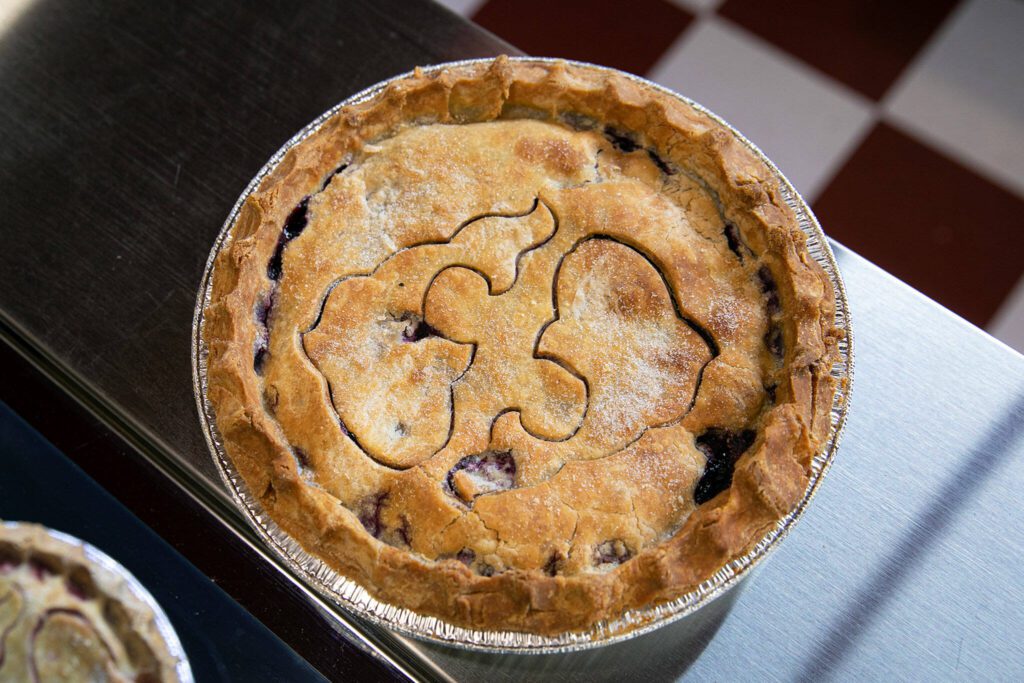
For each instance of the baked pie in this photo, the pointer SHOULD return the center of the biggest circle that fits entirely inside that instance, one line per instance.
(63, 617)
(521, 345)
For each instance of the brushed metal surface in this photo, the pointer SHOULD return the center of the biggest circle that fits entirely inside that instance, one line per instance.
(126, 131)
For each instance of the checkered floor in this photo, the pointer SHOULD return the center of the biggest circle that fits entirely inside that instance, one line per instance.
(901, 122)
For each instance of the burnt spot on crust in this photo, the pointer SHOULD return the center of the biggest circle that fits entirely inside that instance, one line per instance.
(476, 475)
(722, 448)
(612, 551)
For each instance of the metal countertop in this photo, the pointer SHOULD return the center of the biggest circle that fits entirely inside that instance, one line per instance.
(126, 133)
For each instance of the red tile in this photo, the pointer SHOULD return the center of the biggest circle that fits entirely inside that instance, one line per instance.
(628, 36)
(931, 222)
(863, 43)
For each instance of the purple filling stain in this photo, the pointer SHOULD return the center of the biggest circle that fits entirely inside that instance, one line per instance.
(612, 551)
(773, 340)
(77, 589)
(293, 227)
(466, 556)
(732, 237)
(620, 140)
(39, 569)
(495, 471)
(368, 512)
(769, 287)
(722, 447)
(417, 329)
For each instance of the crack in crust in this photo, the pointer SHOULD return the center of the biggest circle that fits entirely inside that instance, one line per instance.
(672, 201)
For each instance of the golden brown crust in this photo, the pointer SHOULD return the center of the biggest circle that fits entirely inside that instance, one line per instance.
(63, 617)
(578, 223)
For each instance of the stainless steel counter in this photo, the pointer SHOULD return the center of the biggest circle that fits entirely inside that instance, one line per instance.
(126, 133)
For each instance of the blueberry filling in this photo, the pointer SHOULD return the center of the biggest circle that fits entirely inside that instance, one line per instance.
(554, 563)
(403, 532)
(773, 340)
(327, 180)
(579, 121)
(465, 556)
(732, 236)
(722, 448)
(262, 315)
(293, 227)
(489, 472)
(485, 570)
(769, 288)
(770, 391)
(620, 141)
(659, 162)
(259, 358)
(368, 512)
(301, 457)
(417, 329)
(612, 551)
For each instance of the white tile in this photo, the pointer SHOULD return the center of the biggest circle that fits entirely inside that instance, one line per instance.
(464, 8)
(965, 92)
(698, 6)
(1008, 323)
(805, 122)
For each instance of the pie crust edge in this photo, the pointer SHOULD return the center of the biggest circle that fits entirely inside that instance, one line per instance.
(769, 479)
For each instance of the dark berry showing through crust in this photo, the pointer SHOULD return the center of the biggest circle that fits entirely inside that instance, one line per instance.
(722, 447)
(327, 180)
(417, 329)
(259, 357)
(732, 236)
(465, 556)
(659, 162)
(620, 141)
(773, 340)
(769, 287)
(579, 121)
(554, 564)
(368, 512)
(485, 570)
(613, 551)
(770, 392)
(293, 227)
(495, 471)
(301, 457)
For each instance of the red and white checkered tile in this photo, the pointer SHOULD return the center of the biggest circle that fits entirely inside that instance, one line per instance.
(902, 122)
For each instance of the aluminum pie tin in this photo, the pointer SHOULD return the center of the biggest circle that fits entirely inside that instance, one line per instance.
(352, 597)
(96, 558)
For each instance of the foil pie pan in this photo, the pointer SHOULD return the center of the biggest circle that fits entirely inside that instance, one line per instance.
(109, 565)
(355, 599)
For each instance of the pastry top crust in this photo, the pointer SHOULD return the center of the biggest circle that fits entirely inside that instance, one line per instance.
(62, 617)
(493, 342)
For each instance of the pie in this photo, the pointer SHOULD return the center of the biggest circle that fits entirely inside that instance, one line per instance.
(521, 345)
(63, 617)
